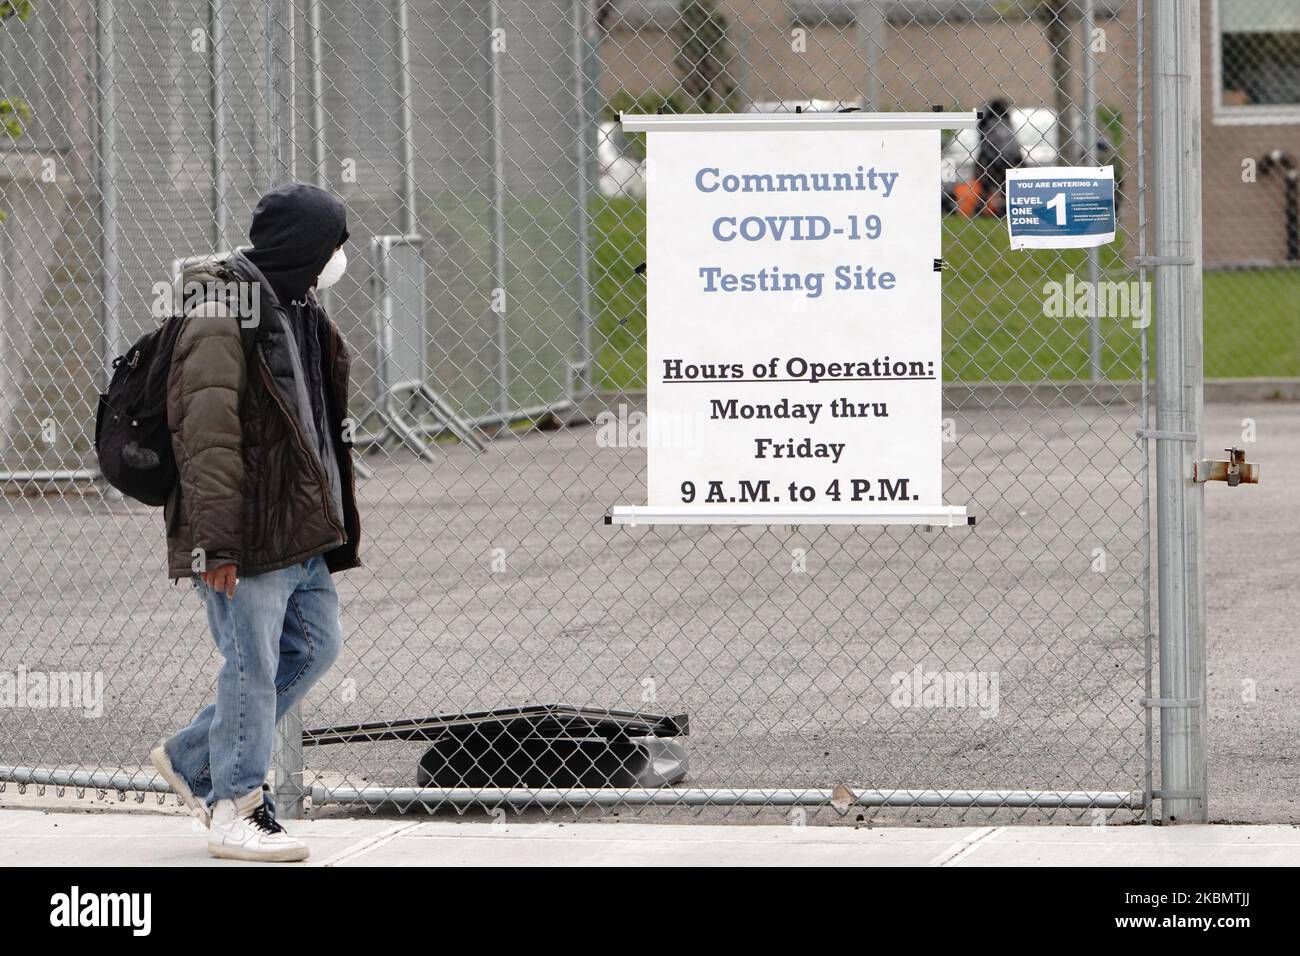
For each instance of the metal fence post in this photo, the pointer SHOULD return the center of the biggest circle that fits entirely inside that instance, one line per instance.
(107, 171)
(410, 216)
(1178, 317)
(318, 152)
(870, 19)
(281, 143)
(499, 210)
(286, 757)
(585, 128)
(1088, 128)
(217, 93)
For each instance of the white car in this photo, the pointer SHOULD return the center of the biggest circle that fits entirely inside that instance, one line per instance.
(1036, 130)
(620, 174)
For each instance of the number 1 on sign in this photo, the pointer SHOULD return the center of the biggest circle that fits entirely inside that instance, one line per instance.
(1057, 203)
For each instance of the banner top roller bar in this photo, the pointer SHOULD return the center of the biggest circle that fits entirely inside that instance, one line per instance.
(744, 122)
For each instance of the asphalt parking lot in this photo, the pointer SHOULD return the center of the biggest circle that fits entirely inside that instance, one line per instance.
(491, 580)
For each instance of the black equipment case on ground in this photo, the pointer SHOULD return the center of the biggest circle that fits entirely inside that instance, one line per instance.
(545, 746)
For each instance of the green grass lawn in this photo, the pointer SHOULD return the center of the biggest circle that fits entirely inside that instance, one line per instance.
(994, 327)
(1252, 323)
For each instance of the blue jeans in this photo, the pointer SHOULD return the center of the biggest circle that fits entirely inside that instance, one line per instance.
(278, 634)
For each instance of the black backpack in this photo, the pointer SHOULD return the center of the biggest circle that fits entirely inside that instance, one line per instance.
(132, 439)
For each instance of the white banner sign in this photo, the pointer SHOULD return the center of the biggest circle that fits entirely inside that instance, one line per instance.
(794, 353)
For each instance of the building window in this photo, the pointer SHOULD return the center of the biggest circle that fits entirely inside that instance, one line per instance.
(1257, 61)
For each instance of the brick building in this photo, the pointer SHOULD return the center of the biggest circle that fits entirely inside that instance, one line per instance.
(915, 54)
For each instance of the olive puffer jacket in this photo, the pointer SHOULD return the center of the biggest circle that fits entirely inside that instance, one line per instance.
(252, 489)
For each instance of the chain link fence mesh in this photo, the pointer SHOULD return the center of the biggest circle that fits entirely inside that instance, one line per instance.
(477, 148)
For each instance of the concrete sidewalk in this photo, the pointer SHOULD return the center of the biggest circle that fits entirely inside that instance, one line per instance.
(37, 838)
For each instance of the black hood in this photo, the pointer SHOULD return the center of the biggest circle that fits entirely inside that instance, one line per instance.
(295, 230)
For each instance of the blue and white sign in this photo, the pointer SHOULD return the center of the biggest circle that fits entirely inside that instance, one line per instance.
(1061, 207)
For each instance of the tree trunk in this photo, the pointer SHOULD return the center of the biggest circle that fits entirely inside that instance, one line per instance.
(1057, 33)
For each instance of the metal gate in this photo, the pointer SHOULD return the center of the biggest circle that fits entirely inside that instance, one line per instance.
(498, 327)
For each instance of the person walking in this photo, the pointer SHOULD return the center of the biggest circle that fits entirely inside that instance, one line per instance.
(265, 509)
(999, 150)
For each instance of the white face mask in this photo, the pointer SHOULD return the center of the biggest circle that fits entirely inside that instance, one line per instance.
(333, 270)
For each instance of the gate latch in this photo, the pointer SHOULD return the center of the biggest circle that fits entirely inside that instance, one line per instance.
(1235, 471)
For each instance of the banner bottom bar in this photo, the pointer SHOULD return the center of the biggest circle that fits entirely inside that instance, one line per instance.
(942, 516)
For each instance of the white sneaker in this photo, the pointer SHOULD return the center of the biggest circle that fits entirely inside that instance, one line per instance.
(163, 764)
(245, 829)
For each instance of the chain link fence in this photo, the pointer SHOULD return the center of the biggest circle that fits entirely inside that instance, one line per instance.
(498, 331)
